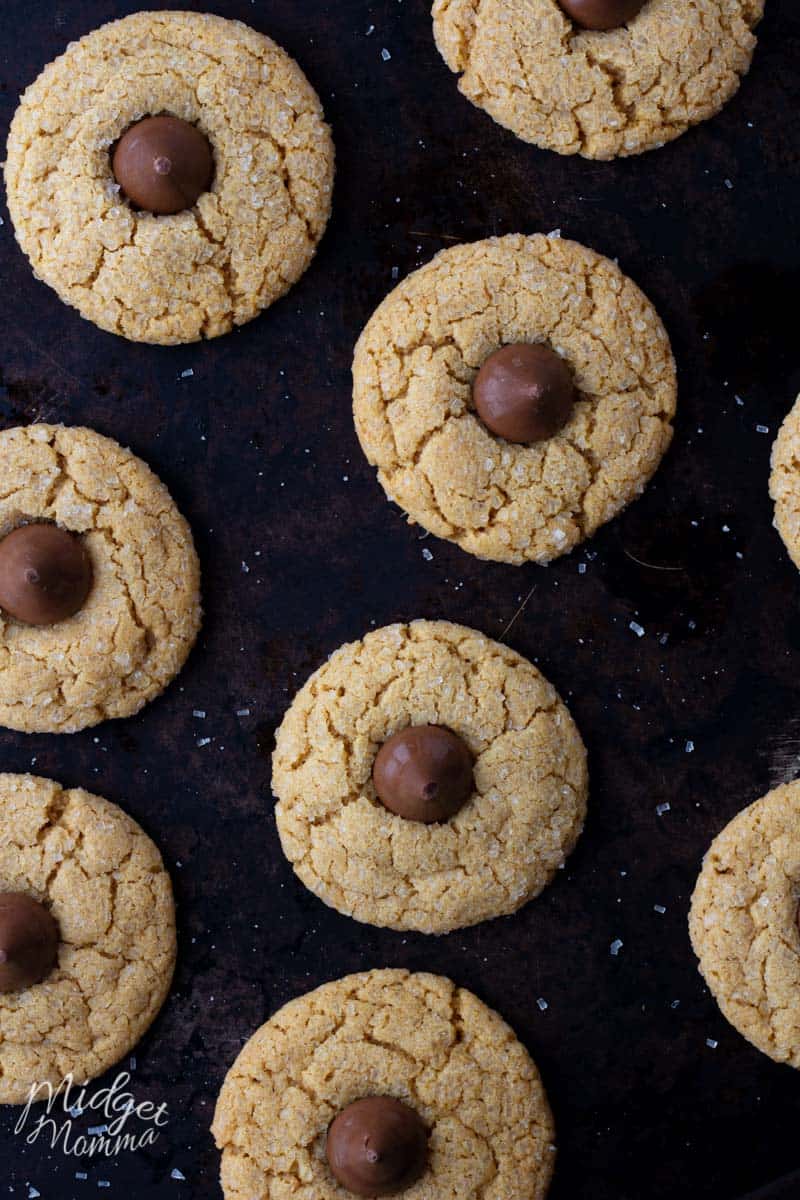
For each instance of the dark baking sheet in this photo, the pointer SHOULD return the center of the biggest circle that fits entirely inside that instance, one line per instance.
(258, 448)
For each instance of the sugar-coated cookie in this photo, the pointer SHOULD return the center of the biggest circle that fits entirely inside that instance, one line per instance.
(513, 827)
(601, 78)
(138, 621)
(784, 482)
(253, 163)
(97, 878)
(548, 473)
(414, 1040)
(744, 922)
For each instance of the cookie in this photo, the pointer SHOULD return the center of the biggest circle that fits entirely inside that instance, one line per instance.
(600, 93)
(142, 613)
(414, 1037)
(239, 245)
(416, 366)
(784, 482)
(102, 879)
(744, 923)
(527, 801)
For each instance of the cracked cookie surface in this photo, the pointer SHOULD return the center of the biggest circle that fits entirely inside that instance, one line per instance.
(103, 880)
(784, 482)
(599, 94)
(418, 356)
(416, 1037)
(499, 851)
(171, 279)
(141, 617)
(744, 923)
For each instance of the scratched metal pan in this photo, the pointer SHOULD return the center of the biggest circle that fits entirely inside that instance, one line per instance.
(258, 448)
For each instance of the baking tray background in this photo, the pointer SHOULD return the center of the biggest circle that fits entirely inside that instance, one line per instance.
(257, 446)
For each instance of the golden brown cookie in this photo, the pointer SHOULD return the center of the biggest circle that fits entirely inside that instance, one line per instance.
(196, 273)
(418, 357)
(599, 93)
(142, 615)
(784, 482)
(415, 1037)
(104, 882)
(530, 780)
(744, 923)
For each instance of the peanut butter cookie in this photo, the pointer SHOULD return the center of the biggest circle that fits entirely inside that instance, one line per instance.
(139, 610)
(99, 882)
(406, 865)
(414, 1040)
(634, 79)
(209, 111)
(542, 463)
(744, 923)
(784, 482)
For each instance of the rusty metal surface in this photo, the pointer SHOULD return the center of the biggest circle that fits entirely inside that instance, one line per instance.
(258, 448)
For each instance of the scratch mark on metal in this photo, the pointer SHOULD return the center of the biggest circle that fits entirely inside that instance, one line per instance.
(517, 615)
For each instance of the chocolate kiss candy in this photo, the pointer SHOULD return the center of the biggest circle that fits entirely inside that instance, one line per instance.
(28, 941)
(601, 14)
(524, 393)
(163, 164)
(377, 1146)
(45, 574)
(423, 773)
